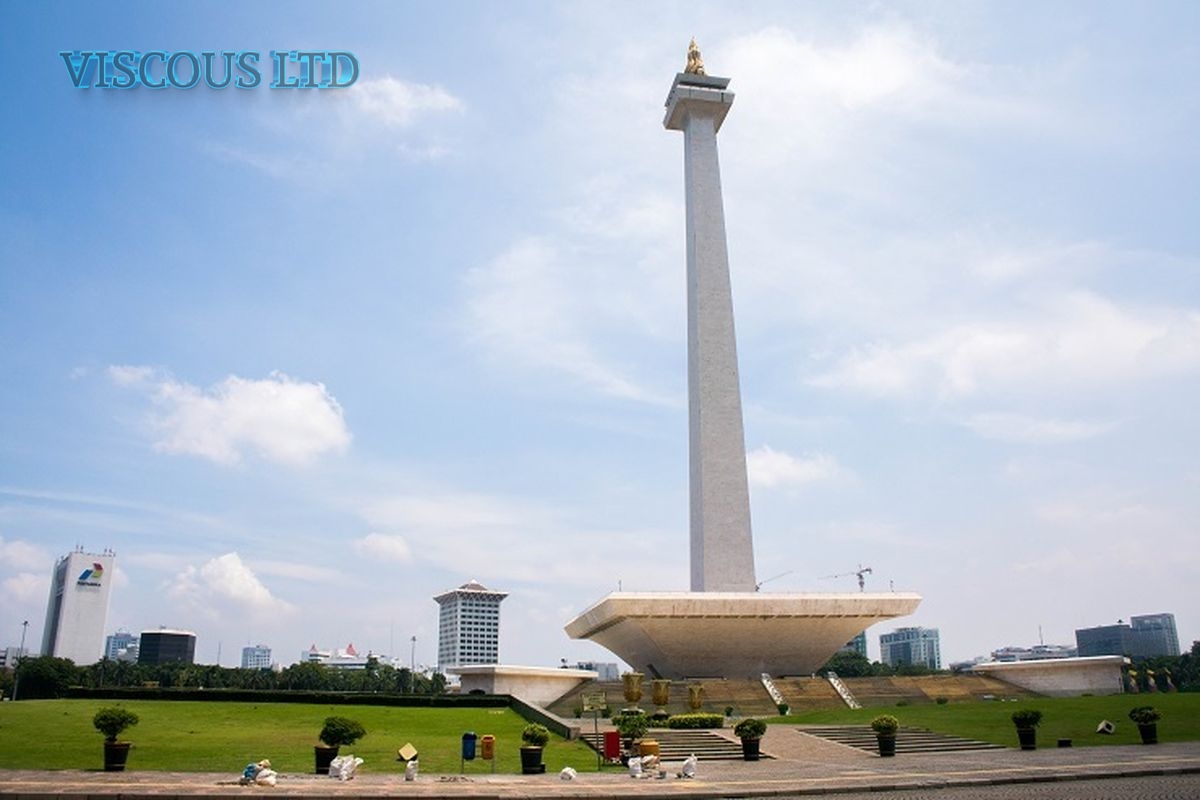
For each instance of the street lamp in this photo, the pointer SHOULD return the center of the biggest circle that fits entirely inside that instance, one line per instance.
(20, 658)
(412, 656)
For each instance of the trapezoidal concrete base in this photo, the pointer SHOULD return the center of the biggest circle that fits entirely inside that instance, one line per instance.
(732, 634)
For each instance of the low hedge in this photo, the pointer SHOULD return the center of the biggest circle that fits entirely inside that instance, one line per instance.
(280, 696)
(689, 721)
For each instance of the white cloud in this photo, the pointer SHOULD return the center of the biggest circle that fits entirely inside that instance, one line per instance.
(536, 305)
(772, 468)
(25, 587)
(387, 547)
(20, 555)
(226, 584)
(1079, 339)
(278, 418)
(1023, 429)
(398, 103)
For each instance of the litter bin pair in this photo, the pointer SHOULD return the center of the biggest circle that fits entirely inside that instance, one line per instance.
(487, 747)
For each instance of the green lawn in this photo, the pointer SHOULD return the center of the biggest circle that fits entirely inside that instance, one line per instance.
(224, 737)
(1072, 718)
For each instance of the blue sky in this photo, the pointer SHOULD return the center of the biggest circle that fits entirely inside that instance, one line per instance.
(304, 360)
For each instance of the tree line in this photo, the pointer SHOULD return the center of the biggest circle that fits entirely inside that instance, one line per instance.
(1182, 672)
(48, 677)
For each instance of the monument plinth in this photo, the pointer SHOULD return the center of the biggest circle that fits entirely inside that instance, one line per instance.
(723, 627)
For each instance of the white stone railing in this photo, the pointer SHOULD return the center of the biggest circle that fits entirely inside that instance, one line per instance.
(843, 690)
(772, 689)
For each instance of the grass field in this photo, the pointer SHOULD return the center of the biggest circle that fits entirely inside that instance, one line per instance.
(224, 737)
(1072, 718)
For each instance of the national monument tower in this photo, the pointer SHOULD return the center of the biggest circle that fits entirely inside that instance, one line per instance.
(724, 627)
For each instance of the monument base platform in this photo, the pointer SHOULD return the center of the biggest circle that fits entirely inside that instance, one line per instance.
(732, 634)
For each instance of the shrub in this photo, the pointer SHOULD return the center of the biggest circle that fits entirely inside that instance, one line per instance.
(885, 725)
(901, 703)
(783, 709)
(577, 711)
(1144, 715)
(729, 711)
(112, 720)
(338, 731)
(693, 721)
(750, 728)
(1027, 718)
(941, 701)
(632, 726)
(535, 735)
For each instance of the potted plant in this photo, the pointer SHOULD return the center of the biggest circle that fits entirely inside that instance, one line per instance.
(1147, 718)
(885, 727)
(534, 738)
(112, 721)
(750, 731)
(336, 732)
(632, 726)
(1027, 720)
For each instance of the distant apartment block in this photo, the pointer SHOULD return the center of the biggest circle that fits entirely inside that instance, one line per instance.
(605, 671)
(167, 646)
(121, 646)
(78, 606)
(911, 646)
(468, 625)
(256, 657)
(1038, 652)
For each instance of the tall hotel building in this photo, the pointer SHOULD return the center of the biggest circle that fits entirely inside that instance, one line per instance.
(78, 606)
(468, 625)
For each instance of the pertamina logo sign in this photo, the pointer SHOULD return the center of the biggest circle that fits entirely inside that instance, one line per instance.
(91, 577)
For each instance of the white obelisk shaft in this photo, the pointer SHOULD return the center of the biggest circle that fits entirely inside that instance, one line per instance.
(722, 555)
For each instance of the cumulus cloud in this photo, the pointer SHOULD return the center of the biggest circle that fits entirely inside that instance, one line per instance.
(225, 584)
(387, 547)
(774, 469)
(277, 418)
(1031, 430)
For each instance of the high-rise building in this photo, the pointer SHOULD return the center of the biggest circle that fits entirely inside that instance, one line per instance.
(1155, 634)
(468, 625)
(256, 657)
(166, 646)
(911, 646)
(1146, 636)
(78, 606)
(856, 645)
(121, 646)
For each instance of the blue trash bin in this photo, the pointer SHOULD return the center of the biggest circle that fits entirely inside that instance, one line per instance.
(468, 746)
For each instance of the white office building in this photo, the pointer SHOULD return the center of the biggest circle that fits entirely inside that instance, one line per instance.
(256, 657)
(121, 646)
(468, 626)
(78, 606)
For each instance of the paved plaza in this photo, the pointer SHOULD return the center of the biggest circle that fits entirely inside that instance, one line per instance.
(800, 765)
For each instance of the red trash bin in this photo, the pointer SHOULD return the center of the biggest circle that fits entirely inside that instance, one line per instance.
(612, 745)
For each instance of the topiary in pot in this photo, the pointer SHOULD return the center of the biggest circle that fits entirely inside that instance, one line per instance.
(1027, 720)
(885, 727)
(112, 721)
(1146, 718)
(534, 738)
(336, 732)
(750, 731)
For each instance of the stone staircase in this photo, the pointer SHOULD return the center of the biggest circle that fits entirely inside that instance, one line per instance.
(676, 745)
(908, 740)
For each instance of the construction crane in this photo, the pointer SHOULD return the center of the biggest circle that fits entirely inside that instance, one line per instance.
(860, 572)
(759, 585)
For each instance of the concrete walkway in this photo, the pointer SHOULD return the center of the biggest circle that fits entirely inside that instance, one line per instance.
(801, 764)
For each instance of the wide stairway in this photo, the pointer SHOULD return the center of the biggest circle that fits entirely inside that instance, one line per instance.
(908, 740)
(676, 745)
